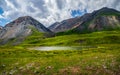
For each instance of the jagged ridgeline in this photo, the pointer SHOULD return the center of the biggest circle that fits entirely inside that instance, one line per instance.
(103, 19)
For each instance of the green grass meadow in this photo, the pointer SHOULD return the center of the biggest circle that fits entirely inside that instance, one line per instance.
(104, 59)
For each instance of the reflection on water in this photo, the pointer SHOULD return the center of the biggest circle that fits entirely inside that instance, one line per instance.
(49, 48)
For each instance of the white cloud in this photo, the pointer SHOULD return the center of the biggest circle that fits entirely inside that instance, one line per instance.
(50, 11)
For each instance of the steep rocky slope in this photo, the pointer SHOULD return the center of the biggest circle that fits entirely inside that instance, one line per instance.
(21, 27)
(64, 25)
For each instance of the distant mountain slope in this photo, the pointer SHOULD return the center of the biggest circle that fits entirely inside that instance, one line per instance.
(22, 27)
(54, 25)
(64, 25)
(97, 20)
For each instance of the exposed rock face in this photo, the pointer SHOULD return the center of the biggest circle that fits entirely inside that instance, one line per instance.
(105, 22)
(1, 27)
(98, 20)
(21, 27)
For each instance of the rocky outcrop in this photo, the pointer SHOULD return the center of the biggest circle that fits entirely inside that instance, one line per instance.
(105, 22)
(102, 19)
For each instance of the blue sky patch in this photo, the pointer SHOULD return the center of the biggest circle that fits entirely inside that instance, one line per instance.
(3, 22)
(76, 13)
(1, 11)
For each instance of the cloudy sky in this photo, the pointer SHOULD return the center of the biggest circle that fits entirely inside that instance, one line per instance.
(50, 11)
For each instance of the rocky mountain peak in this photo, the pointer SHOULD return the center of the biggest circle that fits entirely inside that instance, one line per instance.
(22, 20)
(104, 10)
(22, 27)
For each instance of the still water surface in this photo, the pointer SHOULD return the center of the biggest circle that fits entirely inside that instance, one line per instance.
(49, 48)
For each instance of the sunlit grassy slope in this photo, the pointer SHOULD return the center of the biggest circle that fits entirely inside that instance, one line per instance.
(95, 38)
(104, 59)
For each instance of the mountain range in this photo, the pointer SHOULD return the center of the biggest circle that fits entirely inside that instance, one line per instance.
(102, 19)
(98, 20)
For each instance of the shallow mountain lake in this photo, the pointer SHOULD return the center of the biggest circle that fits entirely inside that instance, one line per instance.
(50, 48)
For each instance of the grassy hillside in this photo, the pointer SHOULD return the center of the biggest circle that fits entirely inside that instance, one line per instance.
(104, 59)
(95, 38)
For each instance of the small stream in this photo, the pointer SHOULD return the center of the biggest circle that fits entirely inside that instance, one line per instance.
(50, 48)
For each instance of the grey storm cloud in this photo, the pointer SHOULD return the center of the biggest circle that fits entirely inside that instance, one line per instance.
(50, 11)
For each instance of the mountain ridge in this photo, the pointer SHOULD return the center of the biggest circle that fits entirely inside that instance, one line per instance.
(80, 22)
